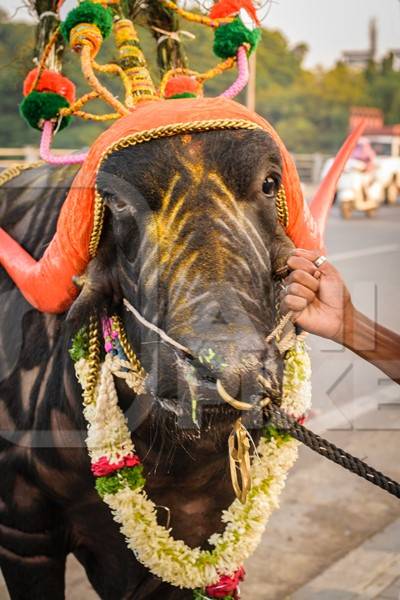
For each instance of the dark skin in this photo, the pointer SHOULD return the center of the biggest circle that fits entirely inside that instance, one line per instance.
(322, 305)
(191, 239)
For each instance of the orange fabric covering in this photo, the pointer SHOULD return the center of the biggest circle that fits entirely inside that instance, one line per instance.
(47, 283)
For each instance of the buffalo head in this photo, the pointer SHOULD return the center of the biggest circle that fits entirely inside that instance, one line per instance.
(192, 240)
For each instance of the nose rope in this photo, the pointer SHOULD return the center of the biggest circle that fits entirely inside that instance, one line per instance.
(275, 333)
(160, 332)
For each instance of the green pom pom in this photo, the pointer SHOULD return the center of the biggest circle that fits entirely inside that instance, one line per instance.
(111, 484)
(88, 12)
(43, 106)
(229, 37)
(80, 345)
(182, 95)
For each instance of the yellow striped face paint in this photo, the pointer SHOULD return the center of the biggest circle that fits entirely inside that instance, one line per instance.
(183, 232)
(192, 194)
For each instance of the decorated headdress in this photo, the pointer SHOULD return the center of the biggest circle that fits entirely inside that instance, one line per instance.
(147, 113)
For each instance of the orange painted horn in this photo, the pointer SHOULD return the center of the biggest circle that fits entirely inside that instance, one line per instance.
(325, 194)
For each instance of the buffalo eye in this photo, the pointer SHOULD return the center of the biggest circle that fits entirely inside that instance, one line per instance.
(269, 187)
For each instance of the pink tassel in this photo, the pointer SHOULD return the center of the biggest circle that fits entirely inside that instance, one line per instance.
(242, 77)
(45, 149)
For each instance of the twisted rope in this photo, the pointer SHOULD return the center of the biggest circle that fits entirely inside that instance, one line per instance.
(52, 159)
(287, 424)
(242, 76)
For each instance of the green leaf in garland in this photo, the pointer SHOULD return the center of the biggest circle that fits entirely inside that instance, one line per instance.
(201, 595)
(272, 433)
(111, 484)
(80, 345)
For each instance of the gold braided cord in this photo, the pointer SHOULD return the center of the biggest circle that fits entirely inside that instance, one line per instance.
(178, 129)
(200, 77)
(229, 63)
(195, 18)
(94, 83)
(282, 209)
(17, 169)
(153, 134)
(86, 116)
(89, 394)
(127, 348)
(113, 68)
(98, 217)
(74, 108)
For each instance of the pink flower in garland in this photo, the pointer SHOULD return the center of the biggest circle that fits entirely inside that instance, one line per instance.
(226, 585)
(103, 467)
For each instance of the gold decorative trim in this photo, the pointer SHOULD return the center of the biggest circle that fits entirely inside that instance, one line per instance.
(93, 361)
(127, 348)
(282, 209)
(147, 136)
(98, 217)
(178, 129)
(17, 169)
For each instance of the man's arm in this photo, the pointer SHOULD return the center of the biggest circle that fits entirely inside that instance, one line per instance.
(322, 305)
(374, 343)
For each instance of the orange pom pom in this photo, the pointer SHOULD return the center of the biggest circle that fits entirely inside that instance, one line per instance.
(50, 81)
(182, 84)
(228, 8)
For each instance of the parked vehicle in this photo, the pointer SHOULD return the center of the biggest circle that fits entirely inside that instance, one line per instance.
(387, 150)
(358, 188)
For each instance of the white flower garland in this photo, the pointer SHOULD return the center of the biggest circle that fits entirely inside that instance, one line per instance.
(172, 560)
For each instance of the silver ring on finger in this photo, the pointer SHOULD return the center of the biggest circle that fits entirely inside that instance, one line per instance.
(318, 262)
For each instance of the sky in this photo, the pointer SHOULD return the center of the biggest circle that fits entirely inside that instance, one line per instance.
(327, 26)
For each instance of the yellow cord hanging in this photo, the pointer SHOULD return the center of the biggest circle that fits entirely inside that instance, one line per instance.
(88, 72)
(45, 56)
(195, 18)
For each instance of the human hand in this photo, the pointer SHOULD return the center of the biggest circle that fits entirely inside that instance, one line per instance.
(319, 299)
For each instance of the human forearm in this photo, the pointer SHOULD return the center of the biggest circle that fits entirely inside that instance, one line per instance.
(372, 342)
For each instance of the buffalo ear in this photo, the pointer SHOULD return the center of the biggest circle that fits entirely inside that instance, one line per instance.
(100, 290)
(282, 247)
